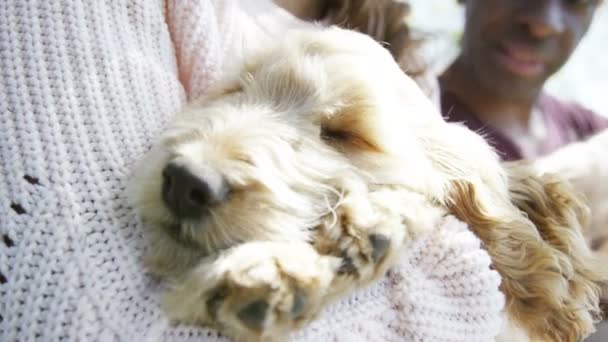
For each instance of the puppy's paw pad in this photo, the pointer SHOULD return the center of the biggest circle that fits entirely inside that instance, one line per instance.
(215, 301)
(368, 253)
(257, 315)
(254, 315)
(271, 290)
(380, 246)
(299, 304)
(347, 266)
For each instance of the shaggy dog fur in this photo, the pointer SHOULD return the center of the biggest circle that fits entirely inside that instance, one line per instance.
(301, 178)
(385, 21)
(585, 165)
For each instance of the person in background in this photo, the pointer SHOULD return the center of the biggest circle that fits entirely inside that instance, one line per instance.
(496, 85)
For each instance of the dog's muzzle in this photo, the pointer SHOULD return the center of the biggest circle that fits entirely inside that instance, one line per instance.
(189, 195)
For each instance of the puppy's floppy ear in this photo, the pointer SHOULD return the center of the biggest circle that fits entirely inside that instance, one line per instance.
(549, 274)
(531, 227)
(560, 214)
(585, 165)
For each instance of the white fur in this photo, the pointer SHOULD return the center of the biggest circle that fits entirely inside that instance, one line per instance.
(326, 143)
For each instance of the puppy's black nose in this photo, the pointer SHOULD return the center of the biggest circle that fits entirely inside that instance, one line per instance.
(189, 195)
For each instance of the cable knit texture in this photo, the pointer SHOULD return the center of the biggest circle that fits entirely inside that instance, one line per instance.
(85, 86)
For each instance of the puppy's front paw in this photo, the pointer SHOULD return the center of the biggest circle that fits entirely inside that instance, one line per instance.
(364, 236)
(258, 291)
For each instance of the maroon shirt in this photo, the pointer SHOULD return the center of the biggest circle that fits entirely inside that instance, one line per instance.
(565, 123)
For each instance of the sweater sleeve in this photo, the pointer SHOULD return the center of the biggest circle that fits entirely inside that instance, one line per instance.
(201, 32)
(212, 37)
(441, 289)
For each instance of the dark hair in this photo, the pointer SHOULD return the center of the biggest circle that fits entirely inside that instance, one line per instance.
(383, 20)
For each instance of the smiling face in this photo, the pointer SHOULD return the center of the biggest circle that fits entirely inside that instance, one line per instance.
(511, 47)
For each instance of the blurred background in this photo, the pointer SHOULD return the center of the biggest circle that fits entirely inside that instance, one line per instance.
(584, 79)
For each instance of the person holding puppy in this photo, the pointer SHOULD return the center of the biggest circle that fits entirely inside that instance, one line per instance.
(85, 86)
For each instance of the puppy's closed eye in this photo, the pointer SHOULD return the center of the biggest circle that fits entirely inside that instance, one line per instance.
(346, 139)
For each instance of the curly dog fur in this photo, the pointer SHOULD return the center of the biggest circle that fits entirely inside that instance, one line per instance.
(307, 173)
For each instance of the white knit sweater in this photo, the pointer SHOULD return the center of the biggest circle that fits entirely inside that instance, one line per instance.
(85, 86)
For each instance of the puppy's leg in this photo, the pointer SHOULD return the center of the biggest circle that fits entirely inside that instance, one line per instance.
(257, 291)
(368, 231)
(533, 236)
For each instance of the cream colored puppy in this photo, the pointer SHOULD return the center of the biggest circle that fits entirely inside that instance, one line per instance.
(301, 178)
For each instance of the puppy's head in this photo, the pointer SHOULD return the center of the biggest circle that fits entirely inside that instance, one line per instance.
(232, 170)
(269, 154)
